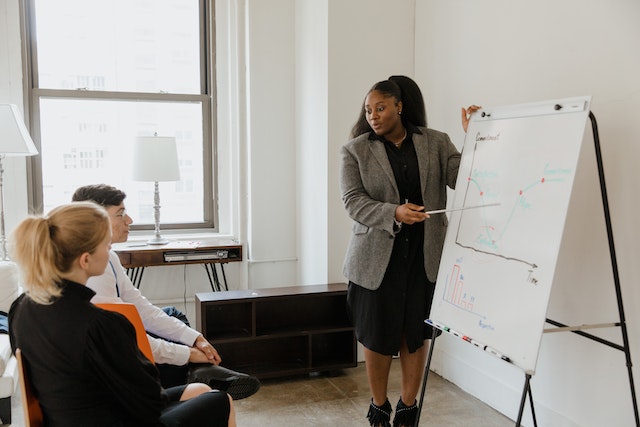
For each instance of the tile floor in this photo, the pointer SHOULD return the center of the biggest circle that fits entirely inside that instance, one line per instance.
(342, 401)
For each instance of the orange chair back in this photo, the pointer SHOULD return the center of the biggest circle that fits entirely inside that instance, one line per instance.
(32, 412)
(131, 312)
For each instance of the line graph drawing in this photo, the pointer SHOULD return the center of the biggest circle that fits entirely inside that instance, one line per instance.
(523, 188)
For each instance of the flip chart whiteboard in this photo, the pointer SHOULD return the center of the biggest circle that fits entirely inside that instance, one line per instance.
(498, 262)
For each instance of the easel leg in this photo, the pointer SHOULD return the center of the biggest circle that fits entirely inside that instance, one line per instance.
(425, 376)
(614, 261)
(526, 390)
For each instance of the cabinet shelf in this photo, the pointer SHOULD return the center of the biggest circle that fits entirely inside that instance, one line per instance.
(279, 331)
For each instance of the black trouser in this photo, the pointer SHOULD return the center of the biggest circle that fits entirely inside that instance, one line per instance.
(173, 375)
(212, 407)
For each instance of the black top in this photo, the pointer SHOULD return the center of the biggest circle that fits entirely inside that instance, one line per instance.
(404, 163)
(84, 362)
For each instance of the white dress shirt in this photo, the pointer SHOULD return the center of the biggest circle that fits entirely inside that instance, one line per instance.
(114, 286)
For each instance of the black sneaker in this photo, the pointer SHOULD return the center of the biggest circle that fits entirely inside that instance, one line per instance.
(236, 384)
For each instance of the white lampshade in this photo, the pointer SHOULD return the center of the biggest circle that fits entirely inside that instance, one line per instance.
(14, 141)
(155, 159)
(14, 137)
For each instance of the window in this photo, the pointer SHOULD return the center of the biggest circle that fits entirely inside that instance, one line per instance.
(105, 72)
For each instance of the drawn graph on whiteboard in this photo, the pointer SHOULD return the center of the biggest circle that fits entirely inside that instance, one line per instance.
(524, 189)
(455, 292)
(498, 262)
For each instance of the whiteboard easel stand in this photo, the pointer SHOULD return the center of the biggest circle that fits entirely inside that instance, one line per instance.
(616, 280)
(426, 374)
(575, 329)
(525, 391)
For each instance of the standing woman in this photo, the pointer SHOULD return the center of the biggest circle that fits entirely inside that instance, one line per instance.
(393, 170)
(84, 362)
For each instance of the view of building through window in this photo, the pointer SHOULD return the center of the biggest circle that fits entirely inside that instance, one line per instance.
(108, 72)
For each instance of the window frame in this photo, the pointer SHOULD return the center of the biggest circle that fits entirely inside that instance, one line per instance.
(206, 98)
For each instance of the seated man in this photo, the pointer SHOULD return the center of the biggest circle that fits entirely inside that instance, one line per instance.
(181, 353)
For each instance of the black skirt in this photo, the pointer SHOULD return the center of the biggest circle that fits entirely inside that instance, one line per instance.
(400, 306)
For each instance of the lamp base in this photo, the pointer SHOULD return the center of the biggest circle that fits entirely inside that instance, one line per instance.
(157, 241)
(157, 238)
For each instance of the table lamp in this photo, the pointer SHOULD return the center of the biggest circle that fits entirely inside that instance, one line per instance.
(155, 159)
(14, 141)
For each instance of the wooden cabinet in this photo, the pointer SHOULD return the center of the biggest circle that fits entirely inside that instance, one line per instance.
(279, 331)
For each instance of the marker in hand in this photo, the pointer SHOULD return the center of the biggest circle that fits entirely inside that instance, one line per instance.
(462, 209)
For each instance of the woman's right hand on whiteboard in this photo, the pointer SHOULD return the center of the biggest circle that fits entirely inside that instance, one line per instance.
(410, 213)
(466, 115)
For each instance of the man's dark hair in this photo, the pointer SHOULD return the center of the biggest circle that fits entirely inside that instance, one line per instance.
(102, 194)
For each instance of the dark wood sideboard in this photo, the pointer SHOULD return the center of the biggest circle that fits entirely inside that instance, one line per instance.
(279, 331)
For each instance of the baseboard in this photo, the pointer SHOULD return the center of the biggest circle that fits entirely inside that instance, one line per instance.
(502, 394)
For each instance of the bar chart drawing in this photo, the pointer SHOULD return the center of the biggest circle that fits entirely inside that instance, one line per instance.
(455, 292)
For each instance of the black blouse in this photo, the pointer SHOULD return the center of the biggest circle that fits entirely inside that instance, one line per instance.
(84, 362)
(404, 163)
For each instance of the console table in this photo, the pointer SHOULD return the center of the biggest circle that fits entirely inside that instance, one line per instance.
(279, 331)
(135, 257)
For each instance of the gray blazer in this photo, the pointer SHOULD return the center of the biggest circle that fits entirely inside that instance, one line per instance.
(370, 196)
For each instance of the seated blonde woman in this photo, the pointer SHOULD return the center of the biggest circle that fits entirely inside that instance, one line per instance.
(84, 363)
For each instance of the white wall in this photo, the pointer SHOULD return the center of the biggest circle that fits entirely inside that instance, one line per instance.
(369, 40)
(309, 64)
(311, 119)
(270, 143)
(501, 52)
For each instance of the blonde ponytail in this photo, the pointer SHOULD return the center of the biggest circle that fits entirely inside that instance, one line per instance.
(46, 247)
